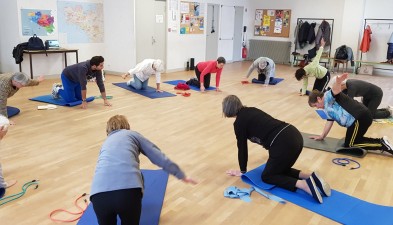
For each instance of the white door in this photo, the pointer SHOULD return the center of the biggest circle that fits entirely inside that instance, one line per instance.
(238, 34)
(212, 32)
(226, 32)
(150, 29)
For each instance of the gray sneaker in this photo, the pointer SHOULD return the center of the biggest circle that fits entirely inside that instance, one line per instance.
(386, 146)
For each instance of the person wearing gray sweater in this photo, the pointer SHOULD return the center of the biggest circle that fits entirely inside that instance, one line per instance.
(117, 186)
(266, 69)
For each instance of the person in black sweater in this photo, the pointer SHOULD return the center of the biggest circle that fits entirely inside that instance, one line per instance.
(371, 96)
(348, 113)
(284, 143)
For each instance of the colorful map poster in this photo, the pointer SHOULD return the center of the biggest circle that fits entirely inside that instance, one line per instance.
(82, 22)
(37, 21)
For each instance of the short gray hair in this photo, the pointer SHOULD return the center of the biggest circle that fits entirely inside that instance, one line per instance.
(231, 105)
(158, 65)
(21, 78)
(262, 65)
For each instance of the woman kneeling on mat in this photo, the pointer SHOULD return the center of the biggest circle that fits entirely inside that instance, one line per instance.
(348, 113)
(284, 143)
(117, 187)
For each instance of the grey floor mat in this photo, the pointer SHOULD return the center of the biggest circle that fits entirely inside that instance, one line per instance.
(332, 145)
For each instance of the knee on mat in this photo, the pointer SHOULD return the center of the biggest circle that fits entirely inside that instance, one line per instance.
(267, 178)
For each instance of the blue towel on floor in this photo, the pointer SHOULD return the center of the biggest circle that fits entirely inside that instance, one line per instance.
(175, 82)
(235, 192)
(155, 182)
(339, 207)
(148, 92)
(60, 101)
(12, 111)
(273, 82)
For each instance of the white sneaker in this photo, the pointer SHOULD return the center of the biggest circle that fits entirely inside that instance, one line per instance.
(386, 146)
(55, 90)
(390, 109)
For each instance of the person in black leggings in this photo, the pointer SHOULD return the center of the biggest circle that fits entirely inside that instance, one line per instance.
(348, 113)
(371, 96)
(284, 143)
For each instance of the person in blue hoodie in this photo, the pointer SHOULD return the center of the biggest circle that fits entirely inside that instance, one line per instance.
(117, 187)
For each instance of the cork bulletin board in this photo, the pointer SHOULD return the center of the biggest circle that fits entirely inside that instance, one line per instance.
(272, 22)
(192, 18)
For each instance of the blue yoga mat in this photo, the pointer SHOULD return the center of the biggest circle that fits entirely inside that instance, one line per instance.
(60, 101)
(12, 111)
(153, 198)
(174, 82)
(273, 82)
(148, 92)
(339, 207)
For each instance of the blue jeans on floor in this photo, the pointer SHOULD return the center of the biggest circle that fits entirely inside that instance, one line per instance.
(390, 51)
(138, 84)
(71, 91)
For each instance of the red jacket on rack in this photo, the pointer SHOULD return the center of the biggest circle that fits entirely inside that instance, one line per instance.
(365, 45)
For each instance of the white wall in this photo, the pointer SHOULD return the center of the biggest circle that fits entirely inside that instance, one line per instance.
(12, 35)
(348, 18)
(119, 48)
(8, 31)
(381, 30)
(180, 48)
(302, 9)
(119, 45)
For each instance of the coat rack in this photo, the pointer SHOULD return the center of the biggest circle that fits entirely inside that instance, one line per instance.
(331, 22)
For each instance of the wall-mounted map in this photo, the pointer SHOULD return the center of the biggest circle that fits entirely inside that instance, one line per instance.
(82, 22)
(37, 21)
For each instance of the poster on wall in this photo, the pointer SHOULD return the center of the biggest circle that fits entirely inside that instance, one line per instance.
(173, 15)
(272, 22)
(82, 22)
(37, 21)
(192, 19)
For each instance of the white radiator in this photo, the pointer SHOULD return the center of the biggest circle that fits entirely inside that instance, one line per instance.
(278, 51)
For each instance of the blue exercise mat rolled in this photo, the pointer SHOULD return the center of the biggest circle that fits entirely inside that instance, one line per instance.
(148, 92)
(339, 207)
(59, 101)
(273, 82)
(155, 182)
(12, 111)
(175, 82)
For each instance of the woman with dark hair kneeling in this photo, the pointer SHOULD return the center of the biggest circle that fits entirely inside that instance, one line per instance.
(284, 143)
(117, 187)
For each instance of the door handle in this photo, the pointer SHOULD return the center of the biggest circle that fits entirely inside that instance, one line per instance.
(153, 41)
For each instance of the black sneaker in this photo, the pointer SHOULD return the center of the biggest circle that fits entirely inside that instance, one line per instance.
(314, 190)
(323, 186)
(386, 146)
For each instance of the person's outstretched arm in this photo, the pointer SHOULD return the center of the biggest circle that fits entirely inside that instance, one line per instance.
(151, 151)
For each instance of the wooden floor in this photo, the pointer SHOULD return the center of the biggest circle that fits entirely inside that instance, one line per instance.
(60, 147)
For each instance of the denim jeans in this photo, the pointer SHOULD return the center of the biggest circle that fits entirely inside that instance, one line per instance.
(138, 84)
(71, 91)
(390, 51)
